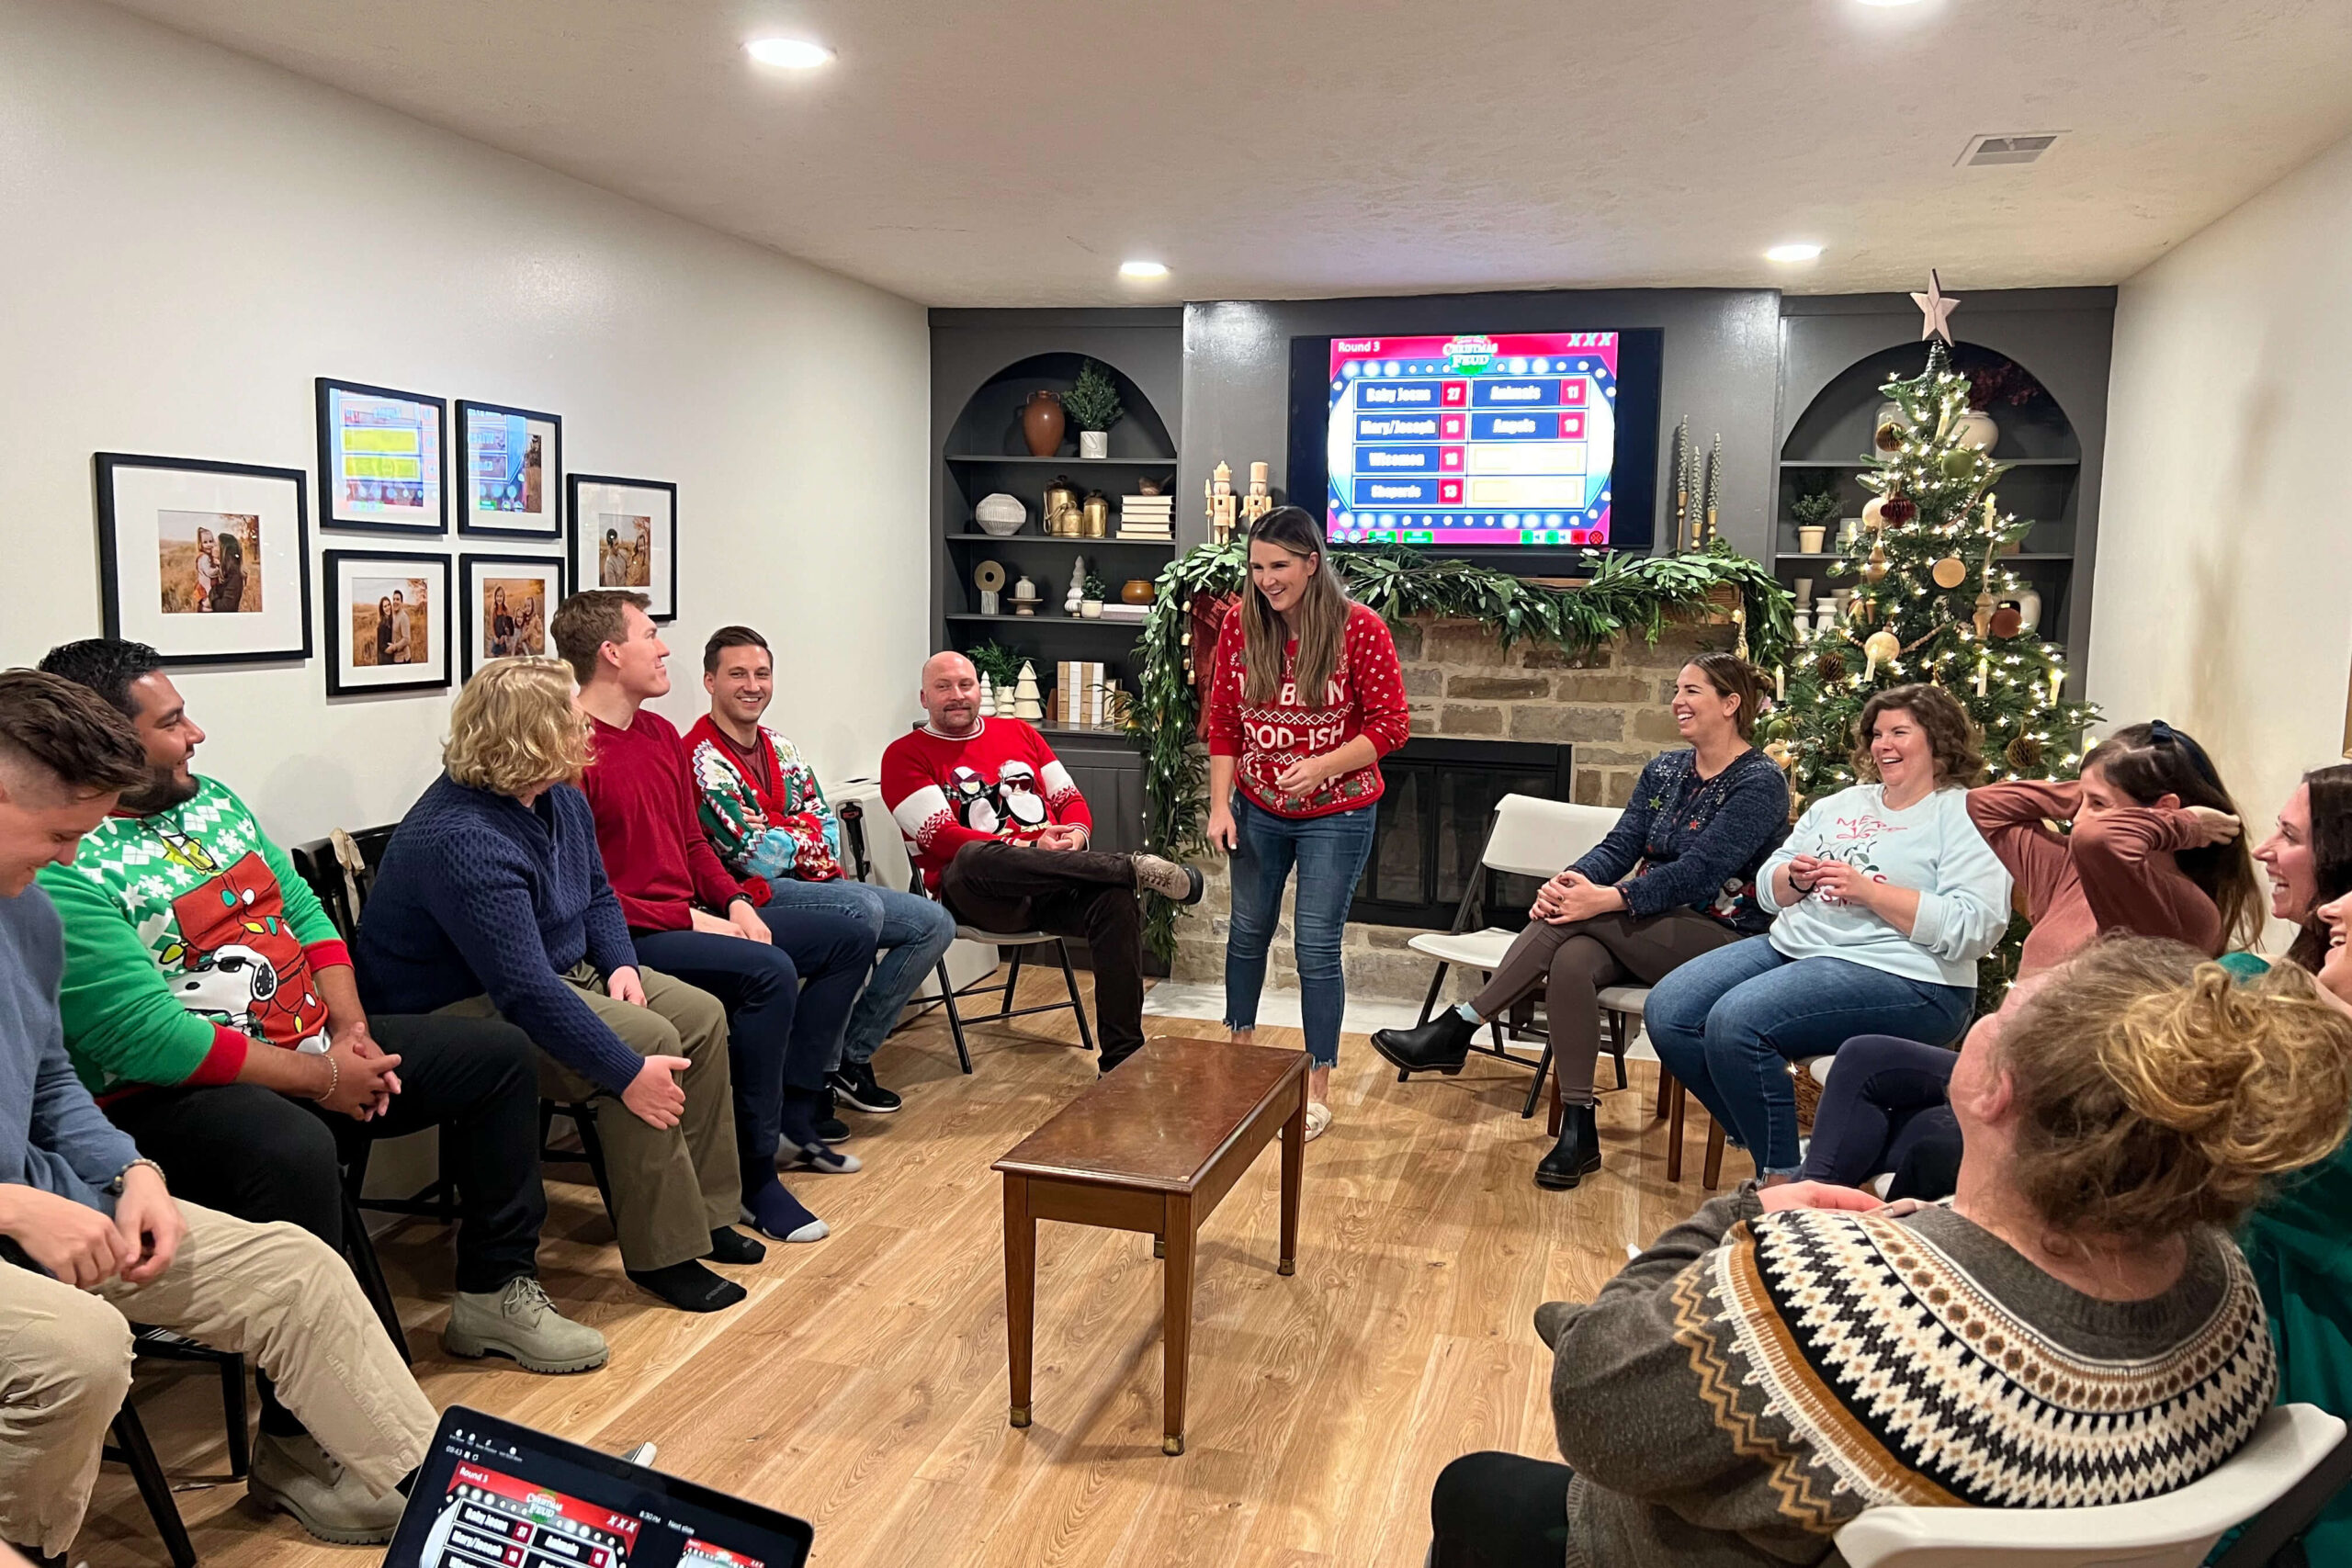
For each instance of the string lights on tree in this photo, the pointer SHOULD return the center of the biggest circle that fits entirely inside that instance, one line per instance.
(1928, 586)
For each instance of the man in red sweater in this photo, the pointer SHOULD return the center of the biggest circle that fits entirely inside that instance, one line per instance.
(688, 919)
(999, 832)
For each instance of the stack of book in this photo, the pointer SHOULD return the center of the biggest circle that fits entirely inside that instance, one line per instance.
(1083, 694)
(1115, 610)
(1146, 516)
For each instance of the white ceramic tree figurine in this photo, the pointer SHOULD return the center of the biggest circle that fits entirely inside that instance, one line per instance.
(988, 698)
(1024, 695)
(1077, 594)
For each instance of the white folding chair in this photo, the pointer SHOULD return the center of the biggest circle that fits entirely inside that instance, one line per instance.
(2174, 1530)
(1528, 837)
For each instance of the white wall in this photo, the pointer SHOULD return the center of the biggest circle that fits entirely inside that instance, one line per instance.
(2224, 588)
(188, 237)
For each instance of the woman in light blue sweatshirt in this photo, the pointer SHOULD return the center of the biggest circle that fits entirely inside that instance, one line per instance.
(1886, 897)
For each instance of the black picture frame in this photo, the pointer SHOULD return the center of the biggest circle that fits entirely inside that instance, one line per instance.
(462, 479)
(468, 593)
(330, 515)
(662, 584)
(109, 470)
(340, 681)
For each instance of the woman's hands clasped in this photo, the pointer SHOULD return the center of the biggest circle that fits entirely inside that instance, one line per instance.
(1572, 896)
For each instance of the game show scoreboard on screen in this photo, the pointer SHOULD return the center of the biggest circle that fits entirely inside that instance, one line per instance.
(1473, 440)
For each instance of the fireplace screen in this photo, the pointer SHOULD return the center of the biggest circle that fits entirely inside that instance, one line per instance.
(1433, 822)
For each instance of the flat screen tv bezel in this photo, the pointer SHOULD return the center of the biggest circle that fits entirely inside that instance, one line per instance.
(1633, 478)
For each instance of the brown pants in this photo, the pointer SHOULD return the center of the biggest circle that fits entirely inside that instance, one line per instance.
(274, 1292)
(672, 1187)
(1574, 960)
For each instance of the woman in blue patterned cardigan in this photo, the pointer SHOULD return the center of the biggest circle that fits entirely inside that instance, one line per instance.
(1675, 878)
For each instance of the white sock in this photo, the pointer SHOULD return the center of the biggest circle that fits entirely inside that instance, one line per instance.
(1467, 1014)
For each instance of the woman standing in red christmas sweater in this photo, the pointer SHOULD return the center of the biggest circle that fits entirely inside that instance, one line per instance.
(1305, 701)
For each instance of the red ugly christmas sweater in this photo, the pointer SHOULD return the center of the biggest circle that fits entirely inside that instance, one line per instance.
(649, 826)
(1365, 697)
(1001, 782)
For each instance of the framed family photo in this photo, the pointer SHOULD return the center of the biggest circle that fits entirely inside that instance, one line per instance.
(380, 454)
(207, 563)
(388, 622)
(503, 605)
(625, 535)
(509, 481)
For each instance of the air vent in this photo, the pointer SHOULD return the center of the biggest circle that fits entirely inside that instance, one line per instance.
(1985, 151)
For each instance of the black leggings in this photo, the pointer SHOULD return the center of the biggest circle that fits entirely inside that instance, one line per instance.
(1885, 1109)
(1498, 1510)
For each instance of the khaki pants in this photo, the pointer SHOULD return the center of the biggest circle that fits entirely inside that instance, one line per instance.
(275, 1292)
(671, 1187)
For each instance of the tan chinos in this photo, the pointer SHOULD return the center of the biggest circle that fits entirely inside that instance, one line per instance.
(273, 1292)
(671, 1187)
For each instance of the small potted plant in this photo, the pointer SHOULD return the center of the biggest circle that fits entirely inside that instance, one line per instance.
(1812, 512)
(1093, 405)
(1090, 605)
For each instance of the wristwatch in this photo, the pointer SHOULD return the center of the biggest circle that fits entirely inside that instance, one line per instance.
(114, 1188)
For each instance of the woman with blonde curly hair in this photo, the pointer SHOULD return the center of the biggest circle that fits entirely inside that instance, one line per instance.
(2074, 1328)
(492, 901)
(1885, 896)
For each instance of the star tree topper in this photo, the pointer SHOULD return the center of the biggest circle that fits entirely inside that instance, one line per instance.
(1936, 307)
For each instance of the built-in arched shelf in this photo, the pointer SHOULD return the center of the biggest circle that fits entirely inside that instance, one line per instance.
(984, 453)
(1829, 445)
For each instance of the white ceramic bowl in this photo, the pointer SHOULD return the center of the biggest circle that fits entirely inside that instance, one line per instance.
(1000, 516)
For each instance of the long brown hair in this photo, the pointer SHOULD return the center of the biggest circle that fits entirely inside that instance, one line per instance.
(2147, 762)
(2330, 792)
(1320, 616)
(1733, 676)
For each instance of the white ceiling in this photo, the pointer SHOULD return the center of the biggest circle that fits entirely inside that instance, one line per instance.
(1011, 152)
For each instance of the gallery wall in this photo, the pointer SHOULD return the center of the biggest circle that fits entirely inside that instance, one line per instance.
(193, 237)
(2224, 596)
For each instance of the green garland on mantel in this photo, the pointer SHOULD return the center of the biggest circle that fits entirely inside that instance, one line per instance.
(1624, 595)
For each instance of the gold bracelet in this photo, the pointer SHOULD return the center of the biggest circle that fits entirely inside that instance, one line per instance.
(335, 1078)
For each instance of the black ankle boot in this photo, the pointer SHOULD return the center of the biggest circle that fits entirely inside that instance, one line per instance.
(1576, 1154)
(1440, 1045)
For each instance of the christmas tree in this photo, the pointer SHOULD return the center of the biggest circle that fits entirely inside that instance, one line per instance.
(1927, 585)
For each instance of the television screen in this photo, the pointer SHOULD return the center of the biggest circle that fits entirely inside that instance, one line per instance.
(1511, 440)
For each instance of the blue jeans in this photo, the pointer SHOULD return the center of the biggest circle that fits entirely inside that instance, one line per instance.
(1330, 852)
(1728, 1022)
(785, 1004)
(908, 932)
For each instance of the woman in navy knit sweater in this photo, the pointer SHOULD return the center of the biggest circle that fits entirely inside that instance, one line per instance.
(1675, 878)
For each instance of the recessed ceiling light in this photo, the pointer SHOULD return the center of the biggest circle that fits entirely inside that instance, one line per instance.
(1798, 253)
(1143, 269)
(794, 53)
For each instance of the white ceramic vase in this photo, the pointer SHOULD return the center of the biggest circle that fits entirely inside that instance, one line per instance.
(1094, 444)
(1976, 428)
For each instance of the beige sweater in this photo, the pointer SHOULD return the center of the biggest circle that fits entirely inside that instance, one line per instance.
(1755, 1380)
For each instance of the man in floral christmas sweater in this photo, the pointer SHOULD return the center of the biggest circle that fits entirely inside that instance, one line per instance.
(999, 829)
(767, 817)
(210, 1005)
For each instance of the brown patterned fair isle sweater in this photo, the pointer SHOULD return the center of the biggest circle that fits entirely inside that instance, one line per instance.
(1755, 1380)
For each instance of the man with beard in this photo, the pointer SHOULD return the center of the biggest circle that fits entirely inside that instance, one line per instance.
(210, 1005)
(999, 832)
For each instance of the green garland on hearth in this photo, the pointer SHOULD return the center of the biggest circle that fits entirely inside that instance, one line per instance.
(1634, 595)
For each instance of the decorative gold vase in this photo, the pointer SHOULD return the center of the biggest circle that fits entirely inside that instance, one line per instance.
(1097, 512)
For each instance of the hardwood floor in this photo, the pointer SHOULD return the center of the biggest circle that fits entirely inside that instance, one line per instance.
(863, 1385)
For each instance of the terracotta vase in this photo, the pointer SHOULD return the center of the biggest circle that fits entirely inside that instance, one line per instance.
(1137, 590)
(1042, 422)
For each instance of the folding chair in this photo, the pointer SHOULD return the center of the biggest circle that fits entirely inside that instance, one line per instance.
(2174, 1530)
(130, 1447)
(851, 818)
(1528, 837)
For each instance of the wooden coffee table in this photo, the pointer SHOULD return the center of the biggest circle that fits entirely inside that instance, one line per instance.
(1152, 1147)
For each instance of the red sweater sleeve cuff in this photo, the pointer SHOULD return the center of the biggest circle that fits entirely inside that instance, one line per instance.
(1222, 744)
(330, 954)
(225, 1060)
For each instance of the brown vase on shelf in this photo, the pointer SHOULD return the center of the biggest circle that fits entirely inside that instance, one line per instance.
(1042, 422)
(1137, 590)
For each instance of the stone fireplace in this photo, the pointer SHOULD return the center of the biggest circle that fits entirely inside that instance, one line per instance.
(1610, 706)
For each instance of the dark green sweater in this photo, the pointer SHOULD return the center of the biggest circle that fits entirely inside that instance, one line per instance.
(1753, 1381)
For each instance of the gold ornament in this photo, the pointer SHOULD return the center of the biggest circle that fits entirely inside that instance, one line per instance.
(1830, 666)
(2024, 753)
(1878, 647)
(1984, 613)
(1874, 514)
(1874, 569)
(1949, 572)
(1781, 753)
(1888, 437)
